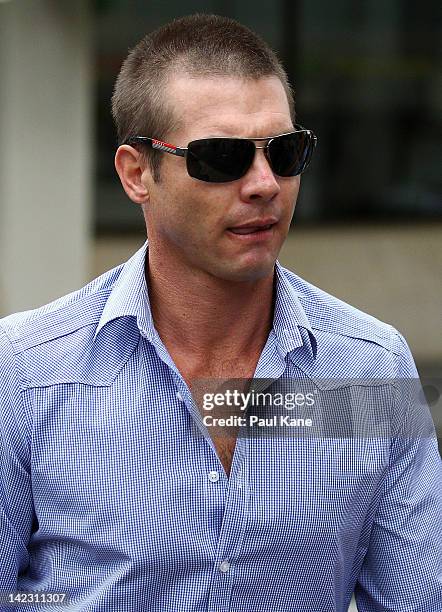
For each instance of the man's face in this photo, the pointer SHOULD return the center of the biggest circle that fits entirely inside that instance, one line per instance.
(200, 225)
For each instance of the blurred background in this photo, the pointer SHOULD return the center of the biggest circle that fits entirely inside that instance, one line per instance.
(368, 223)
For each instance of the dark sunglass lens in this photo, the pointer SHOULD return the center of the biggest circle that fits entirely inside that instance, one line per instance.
(219, 160)
(291, 154)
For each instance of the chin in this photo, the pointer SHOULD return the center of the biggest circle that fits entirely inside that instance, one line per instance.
(247, 273)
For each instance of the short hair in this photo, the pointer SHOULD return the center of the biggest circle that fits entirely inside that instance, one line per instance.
(198, 45)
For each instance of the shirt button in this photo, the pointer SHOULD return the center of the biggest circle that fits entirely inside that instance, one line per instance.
(213, 476)
(224, 567)
(179, 396)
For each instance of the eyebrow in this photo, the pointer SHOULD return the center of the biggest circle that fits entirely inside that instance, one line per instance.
(227, 133)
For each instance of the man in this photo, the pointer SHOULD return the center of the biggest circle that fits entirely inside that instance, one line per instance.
(108, 493)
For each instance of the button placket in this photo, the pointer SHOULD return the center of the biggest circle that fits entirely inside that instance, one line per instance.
(232, 532)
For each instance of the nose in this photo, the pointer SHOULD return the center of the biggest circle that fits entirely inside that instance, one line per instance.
(259, 183)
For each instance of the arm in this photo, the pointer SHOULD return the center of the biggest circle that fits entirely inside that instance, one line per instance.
(402, 570)
(16, 507)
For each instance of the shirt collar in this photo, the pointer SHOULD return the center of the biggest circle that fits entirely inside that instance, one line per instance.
(290, 323)
(129, 298)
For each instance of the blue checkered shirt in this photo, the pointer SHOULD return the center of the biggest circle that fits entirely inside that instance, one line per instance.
(106, 495)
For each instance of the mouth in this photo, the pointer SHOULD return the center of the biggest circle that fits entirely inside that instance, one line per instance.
(254, 228)
(253, 233)
(243, 231)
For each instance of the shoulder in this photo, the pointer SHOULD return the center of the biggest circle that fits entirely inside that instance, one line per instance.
(46, 342)
(350, 337)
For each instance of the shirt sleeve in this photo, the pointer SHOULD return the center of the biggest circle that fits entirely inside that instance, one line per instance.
(402, 570)
(16, 507)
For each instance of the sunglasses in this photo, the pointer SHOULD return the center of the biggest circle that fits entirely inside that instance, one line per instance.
(221, 160)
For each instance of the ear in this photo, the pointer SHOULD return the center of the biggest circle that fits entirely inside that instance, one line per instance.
(130, 169)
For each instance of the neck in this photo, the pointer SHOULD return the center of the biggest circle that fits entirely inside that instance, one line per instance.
(207, 318)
